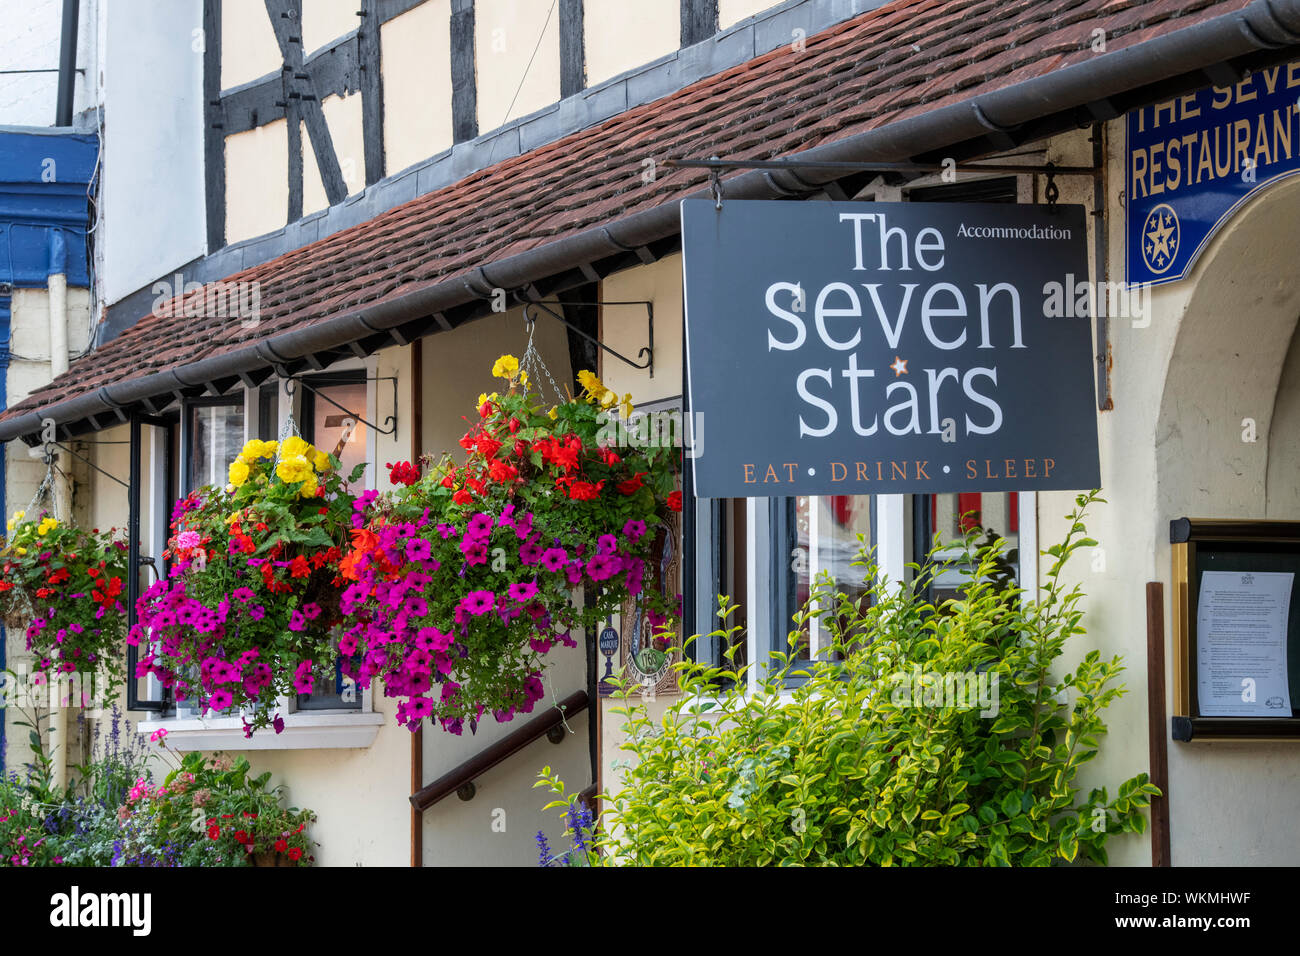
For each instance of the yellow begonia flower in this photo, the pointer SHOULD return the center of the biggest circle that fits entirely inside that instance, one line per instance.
(294, 468)
(523, 378)
(293, 447)
(482, 398)
(627, 405)
(552, 415)
(321, 461)
(238, 472)
(256, 449)
(308, 487)
(22, 550)
(507, 366)
(608, 398)
(590, 383)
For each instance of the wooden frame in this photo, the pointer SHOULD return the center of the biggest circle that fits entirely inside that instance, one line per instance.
(1188, 537)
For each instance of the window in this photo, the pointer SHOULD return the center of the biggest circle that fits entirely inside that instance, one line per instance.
(948, 518)
(821, 536)
(214, 435)
(211, 433)
(331, 406)
(268, 411)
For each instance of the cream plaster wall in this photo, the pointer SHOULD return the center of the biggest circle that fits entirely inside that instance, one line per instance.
(248, 47)
(343, 118)
(457, 368)
(324, 21)
(416, 61)
(1211, 355)
(506, 34)
(731, 12)
(1283, 479)
(29, 368)
(623, 329)
(620, 35)
(1238, 314)
(257, 181)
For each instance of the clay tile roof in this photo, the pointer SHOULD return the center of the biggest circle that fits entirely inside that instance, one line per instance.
(902, 59)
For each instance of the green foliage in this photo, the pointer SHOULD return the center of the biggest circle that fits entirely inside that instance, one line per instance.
(208, 811)
(63, 587)
(870, 760)
(41, 825)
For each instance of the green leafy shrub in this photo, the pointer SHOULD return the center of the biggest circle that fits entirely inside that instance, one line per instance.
(929, 736)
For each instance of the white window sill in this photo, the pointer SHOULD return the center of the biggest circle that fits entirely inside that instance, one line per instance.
(305, 730)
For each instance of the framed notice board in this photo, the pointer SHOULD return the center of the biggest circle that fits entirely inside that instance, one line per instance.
(1236, 629)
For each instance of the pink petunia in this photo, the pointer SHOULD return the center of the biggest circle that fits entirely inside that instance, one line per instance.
(478, 603)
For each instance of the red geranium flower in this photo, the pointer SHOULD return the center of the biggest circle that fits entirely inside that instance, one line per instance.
(675, 501)
(281, 846)
(295, 854)
(632, 485)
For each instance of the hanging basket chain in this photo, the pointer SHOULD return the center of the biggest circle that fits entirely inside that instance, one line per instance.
(532, 362)
(46, 487)
(289, 427)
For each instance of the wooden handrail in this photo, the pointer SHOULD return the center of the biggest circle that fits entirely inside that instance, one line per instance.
(503, 749)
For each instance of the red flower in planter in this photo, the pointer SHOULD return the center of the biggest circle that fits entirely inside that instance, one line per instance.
(632, 485)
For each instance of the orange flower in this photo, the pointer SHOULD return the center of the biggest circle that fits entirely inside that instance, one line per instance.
(348, 566)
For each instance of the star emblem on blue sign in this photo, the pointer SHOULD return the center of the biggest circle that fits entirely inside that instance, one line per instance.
(1160, 236)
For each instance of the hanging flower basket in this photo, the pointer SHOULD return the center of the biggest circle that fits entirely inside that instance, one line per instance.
(249, 608)
(63, 587)
(463, 579)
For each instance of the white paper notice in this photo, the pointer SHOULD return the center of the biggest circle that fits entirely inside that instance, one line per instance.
(1241, 623)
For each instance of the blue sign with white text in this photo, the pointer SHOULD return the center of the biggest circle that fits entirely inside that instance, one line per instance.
(1192, 161)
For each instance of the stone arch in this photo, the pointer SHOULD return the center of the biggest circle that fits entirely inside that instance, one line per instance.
(1233, 372)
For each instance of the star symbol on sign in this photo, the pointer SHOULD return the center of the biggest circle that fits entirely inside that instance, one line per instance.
(899, 366)
(1162, 241)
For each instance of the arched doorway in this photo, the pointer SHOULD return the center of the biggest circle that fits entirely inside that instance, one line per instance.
(1227, 445)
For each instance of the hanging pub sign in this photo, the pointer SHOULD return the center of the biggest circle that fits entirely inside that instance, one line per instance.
(888, 348)
(1191, 162)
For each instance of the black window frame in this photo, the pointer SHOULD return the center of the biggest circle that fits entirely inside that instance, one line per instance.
(186, 428)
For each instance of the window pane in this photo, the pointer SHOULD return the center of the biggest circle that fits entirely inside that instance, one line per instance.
(951, 516)
(268, 411)
(826, 536)
(335, 430)
(215, 437)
